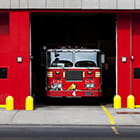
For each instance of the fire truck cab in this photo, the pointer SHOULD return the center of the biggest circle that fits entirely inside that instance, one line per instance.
(74, 72)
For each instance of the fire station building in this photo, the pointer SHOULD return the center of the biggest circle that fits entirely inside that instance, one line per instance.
(28, 25)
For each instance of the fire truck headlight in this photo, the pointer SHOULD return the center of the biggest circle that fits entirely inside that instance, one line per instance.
(57, 85)
(90, 85)
(87, 85)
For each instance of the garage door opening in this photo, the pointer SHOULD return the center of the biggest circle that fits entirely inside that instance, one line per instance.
(74, 30)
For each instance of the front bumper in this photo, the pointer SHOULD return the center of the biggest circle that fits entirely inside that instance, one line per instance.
(83, 93)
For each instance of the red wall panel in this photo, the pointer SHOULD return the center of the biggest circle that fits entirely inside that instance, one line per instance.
(14, 42)
(19, 72)
(136, 54)
(4, 54)
(123, 46)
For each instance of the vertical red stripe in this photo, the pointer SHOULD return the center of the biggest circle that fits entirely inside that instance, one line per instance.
(4, 54)
(19, 72)
(123, 34)
(136, 54)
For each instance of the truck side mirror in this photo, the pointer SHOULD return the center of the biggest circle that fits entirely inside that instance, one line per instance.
(43, 56)
(43, 60)
(102, 58)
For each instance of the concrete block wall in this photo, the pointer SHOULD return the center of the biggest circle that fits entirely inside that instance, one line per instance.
(137, 4)
(90, 4)
(70, 4)
(14, 4)
(23, 4)
(37, 4)
(126, 4)
(57, 4)
(4, 4)
(108, 4)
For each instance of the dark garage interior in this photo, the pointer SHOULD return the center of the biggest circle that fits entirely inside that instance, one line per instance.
(88, 30)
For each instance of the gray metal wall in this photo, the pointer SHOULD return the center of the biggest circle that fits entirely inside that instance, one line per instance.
(70, 4)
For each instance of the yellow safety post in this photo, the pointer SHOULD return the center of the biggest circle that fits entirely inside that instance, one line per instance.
(2, 106)
(9, 103)
(137, 106)
(130, 101)
(117, 102)
(29, 105)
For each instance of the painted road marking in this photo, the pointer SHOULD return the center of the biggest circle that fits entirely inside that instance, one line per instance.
(115, 130)
(108, 114)
(111, 120)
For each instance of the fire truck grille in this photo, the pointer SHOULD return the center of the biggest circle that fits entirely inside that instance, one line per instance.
(74, 75)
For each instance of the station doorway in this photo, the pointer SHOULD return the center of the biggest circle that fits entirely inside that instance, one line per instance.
(90, 30)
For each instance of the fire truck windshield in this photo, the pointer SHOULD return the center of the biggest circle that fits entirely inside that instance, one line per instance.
(72, 59)
(85, 59)
(60, 59)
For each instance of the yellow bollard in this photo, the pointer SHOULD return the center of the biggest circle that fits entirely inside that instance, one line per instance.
(137, 106)
(29, 105)
(130, 101)
(9, 103)
(117, 102)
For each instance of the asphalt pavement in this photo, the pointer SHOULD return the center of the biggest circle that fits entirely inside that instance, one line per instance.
(72, 115)
(68, 133)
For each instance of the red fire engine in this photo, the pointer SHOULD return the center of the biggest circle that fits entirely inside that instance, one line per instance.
(74, 72)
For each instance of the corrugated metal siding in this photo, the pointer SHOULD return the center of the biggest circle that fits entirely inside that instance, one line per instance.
(69, 4)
